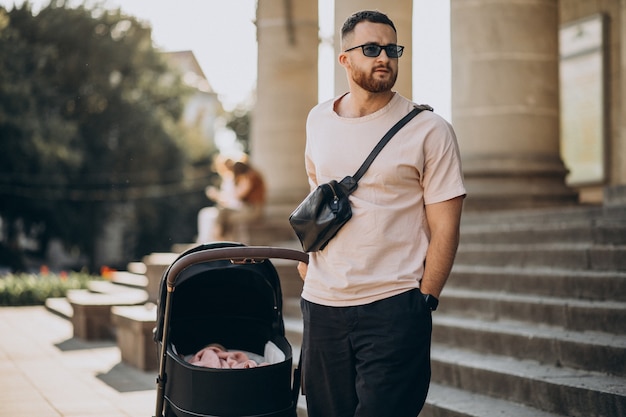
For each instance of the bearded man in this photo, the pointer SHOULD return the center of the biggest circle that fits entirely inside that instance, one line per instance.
(369, 294)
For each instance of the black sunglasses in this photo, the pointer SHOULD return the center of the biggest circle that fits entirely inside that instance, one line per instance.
(372, 50)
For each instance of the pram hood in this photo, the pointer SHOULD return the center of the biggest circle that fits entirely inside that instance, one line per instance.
(239, 303)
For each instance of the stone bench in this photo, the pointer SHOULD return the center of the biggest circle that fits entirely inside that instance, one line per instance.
(133, 328)
(91, 311)
(156, 264)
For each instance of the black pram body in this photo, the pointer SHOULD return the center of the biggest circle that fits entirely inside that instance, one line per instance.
(227, 294)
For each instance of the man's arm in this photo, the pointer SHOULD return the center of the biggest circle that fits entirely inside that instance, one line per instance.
(444, 221)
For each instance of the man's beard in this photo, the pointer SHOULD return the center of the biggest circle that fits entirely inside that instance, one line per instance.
(367, 81)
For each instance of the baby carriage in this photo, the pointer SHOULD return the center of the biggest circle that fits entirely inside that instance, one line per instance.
(229, 295)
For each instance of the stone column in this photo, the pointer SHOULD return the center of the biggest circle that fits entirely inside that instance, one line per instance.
(505, 102)
(287, 35)
(617, 159)
(401, 13)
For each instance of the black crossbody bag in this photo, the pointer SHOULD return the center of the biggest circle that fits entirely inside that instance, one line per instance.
(327, 208)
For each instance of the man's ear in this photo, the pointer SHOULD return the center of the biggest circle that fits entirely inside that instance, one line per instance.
(343, 60)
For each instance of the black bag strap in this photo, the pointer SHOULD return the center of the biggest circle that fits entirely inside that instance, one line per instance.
(379, 146)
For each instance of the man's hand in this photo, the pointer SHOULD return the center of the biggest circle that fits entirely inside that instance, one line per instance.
(302, 269)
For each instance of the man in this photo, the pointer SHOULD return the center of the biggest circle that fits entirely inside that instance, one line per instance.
(367, 326)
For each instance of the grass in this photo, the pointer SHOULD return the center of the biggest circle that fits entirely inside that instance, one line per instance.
(34, 289)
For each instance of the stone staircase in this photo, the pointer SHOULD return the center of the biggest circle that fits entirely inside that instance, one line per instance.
(532, 319)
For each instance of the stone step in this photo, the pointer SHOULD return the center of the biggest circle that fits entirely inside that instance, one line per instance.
(59, 306)
(570, 314)
(593, 351)
(89, 297)
(511, 340)
(575, 256)
(582, 284)
(563, 391)
(602, 234)
(445, 401)
(107, 287)
(581, 232)
(129, 279)
(612, 231)
(599, 351)
(579, 224)
(544, 216)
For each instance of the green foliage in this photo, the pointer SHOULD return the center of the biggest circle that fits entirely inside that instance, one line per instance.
(239, 122)
(29, 289)
(89, 115)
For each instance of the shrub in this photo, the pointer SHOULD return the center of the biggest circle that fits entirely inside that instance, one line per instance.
(31, 289)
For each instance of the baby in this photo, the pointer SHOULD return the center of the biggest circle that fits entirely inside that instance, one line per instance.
(217, 356)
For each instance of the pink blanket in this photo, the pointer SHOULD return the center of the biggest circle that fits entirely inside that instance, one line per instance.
(214, 356)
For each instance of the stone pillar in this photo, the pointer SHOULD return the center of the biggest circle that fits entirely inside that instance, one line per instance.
(401, 13)
(617, 159)
(287, 35)
(505, 102)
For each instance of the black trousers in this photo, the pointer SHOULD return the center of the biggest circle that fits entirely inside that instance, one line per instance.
(371, 360)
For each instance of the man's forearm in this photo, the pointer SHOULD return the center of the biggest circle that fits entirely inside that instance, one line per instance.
(444, 222)
(439, 260)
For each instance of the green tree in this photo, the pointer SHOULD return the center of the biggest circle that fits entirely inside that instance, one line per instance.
(89, 115)
(239, 122)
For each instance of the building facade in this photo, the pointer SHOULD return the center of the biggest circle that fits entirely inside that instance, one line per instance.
(537, 96)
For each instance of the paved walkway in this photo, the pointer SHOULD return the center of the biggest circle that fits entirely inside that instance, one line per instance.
(44, 371)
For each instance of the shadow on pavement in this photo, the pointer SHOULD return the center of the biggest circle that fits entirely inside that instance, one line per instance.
(124, 378)
(79, 344)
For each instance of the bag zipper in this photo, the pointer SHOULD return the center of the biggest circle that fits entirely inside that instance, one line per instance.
(334, 206)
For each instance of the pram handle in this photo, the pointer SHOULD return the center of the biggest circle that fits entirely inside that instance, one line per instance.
(244, 254)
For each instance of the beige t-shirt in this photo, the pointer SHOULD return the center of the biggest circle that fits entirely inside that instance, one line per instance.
(380, 252)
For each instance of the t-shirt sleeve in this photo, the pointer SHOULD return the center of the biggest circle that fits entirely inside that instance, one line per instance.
(308, 160)
(443, 174)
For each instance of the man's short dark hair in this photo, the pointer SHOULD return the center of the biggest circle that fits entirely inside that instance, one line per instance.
(373, 16)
